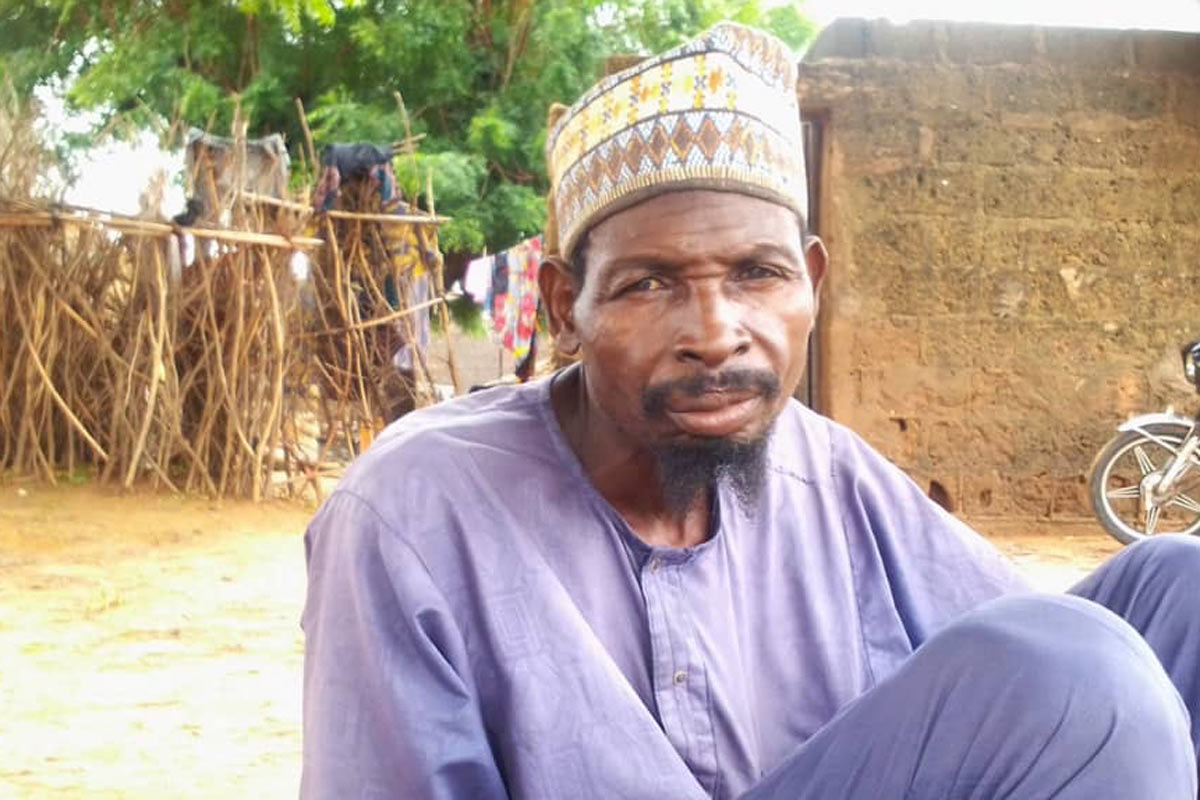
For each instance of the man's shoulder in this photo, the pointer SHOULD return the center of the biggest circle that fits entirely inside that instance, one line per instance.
(491, 415)
(812, 447)
(439, 442)
(443, 479)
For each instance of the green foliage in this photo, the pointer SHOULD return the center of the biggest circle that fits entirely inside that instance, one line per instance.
(516, 212)
(494, 137)
(789, 24)
(337, 116)
(477, 76)
(467, 317)
(457, 177)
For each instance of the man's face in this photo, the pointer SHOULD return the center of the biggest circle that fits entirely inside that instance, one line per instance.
(694, 315)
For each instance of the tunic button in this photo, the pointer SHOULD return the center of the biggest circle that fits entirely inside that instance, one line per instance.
(654, 564)
(680, 678)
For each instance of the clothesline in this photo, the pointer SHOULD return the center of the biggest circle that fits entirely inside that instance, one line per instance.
(425, 219)
(141, 227)
(505, 286)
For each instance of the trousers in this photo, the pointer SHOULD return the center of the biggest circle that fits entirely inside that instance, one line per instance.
(1094, 694)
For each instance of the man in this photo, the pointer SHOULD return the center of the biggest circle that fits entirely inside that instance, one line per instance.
(655, 575)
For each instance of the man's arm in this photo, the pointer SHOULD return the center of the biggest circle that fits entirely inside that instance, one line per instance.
(934, 565)
(389, 705)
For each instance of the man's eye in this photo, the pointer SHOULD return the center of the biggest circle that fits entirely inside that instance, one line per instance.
(751, 272)
(648, 284)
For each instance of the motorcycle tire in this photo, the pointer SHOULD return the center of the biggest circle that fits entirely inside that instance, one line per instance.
(1118, 447)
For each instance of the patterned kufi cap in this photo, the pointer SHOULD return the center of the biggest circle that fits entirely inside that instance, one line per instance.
(719, 112)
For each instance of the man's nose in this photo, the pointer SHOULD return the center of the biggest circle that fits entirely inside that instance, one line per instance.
(711, 332)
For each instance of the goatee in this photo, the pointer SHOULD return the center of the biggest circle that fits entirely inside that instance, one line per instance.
(693, 465)
(688, 468)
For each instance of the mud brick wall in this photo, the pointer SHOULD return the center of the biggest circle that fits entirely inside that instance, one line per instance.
(1013, 215)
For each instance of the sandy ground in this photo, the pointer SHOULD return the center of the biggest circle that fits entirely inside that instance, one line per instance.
(150, 645)
(1053, 562)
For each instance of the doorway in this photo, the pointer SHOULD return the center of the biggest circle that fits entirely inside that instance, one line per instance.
(812, 129)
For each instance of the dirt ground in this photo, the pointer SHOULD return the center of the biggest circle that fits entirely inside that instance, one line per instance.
(150, 645)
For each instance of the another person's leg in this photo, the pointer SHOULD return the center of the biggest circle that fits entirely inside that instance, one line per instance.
(1030, 697)
(1154, 585)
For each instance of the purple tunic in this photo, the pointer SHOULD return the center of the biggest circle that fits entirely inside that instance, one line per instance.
(481, 623)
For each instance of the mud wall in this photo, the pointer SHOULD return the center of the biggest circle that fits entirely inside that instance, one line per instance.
(1013, 215)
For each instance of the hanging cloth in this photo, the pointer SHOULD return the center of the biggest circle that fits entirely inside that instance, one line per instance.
(514, 296)
(477, 280)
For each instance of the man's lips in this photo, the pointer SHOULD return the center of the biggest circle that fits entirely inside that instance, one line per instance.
(714, 414)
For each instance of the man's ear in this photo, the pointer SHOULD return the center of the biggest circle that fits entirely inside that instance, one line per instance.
(816, 258)
(559, 291)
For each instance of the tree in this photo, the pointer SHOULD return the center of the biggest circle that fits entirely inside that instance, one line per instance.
(477, 75)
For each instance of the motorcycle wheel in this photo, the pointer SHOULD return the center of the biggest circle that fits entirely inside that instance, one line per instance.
(1116, 486)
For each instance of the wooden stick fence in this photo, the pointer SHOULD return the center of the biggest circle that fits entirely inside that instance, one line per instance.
(116, 361)
(260, 366)
(226, 377)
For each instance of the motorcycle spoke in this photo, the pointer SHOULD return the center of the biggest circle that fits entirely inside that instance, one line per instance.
(1190, 481)
(1152, 519)
(1144, 462)
(1184, 501)
(1125, 493)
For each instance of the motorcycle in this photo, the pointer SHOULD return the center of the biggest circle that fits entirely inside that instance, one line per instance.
(1146, 480)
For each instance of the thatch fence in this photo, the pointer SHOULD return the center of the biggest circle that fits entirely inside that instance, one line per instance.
(250, 371)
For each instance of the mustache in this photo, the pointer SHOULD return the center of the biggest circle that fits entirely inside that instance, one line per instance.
(764, 383)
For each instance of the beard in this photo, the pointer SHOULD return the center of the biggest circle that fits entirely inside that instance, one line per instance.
(689, 466)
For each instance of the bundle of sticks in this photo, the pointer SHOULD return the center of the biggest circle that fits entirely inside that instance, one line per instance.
(256, 364)
(375, 283)
(121, 358)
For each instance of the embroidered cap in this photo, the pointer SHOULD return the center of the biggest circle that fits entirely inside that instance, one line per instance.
(719, 112)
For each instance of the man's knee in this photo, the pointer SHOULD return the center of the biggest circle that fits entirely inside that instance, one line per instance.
(1063, 683)
(1148, 578)
(1059, 646)
(1166, 557)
